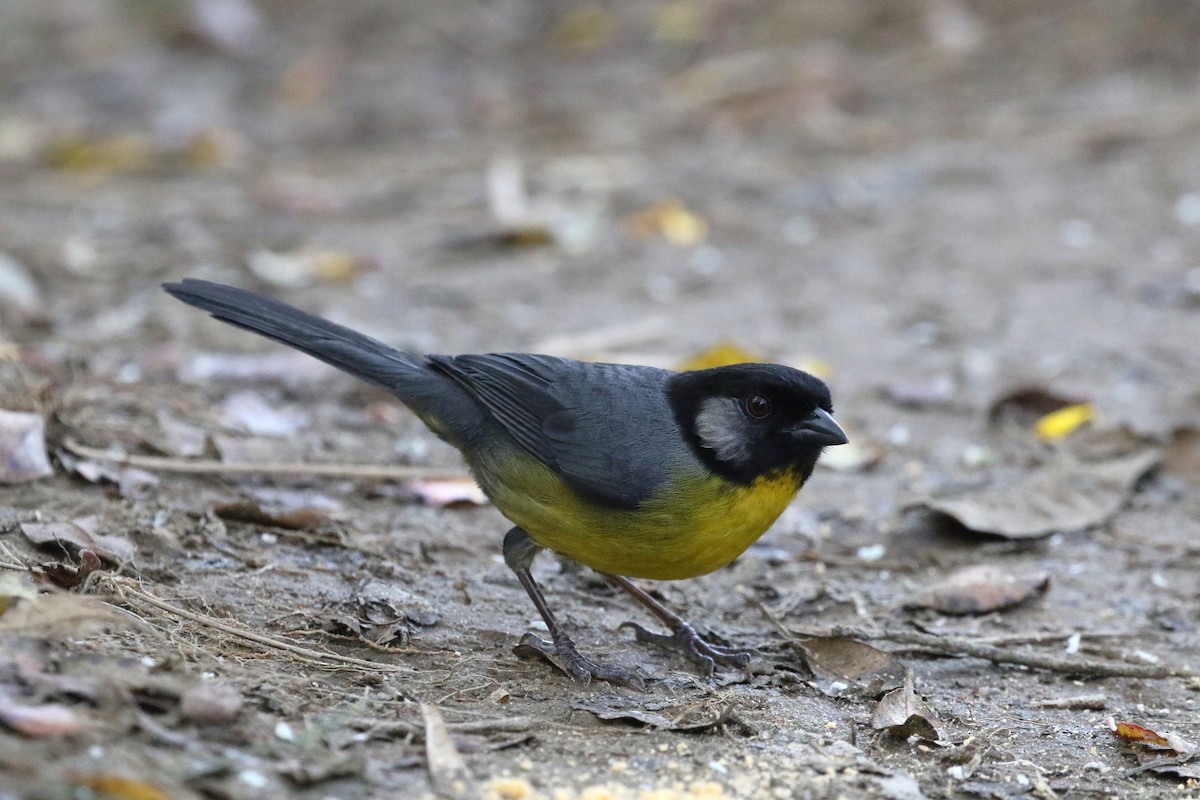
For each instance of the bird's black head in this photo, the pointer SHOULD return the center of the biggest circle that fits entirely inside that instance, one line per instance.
(748, 420)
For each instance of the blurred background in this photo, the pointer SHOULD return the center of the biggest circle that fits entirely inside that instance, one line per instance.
(965, 215)
(918, 185)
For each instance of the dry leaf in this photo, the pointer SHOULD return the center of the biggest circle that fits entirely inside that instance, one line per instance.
(979, 590)
(22, 447)
(721, 354)
(694, 718)
(1065, 495)
(1132, 732)
(1063, 422)
(839, 664)
(383, 613)
(80, 534)
(671, 220)
(903, 714)
(1026, 405)
(300, 519)
(69, 576)
(118, 787)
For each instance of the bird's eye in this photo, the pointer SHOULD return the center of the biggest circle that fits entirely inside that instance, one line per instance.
(758, 406)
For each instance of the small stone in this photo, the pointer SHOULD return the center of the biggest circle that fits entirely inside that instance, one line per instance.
(211, 703)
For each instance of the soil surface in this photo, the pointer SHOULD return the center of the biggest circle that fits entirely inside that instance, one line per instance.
(964, 215)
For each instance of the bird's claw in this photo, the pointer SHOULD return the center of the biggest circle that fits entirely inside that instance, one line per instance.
(584, 670)
(684, 639)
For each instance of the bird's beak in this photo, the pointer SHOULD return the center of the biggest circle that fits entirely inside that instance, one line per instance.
(820, 429)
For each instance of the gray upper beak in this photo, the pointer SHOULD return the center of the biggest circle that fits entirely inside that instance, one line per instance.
(820, 429)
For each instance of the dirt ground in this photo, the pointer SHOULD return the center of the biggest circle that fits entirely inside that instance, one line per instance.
(964, 215)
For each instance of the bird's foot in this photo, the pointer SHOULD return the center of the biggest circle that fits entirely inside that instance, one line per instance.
(684, 639)
(563, 655)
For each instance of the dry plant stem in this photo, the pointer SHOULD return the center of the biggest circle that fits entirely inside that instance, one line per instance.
(957, 647)
(124, 588)
(212, 467)
(1070, 665)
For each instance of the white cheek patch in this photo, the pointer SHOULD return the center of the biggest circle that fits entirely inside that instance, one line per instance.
(723, 429)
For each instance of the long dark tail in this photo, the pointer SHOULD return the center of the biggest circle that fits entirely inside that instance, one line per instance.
(442, 405)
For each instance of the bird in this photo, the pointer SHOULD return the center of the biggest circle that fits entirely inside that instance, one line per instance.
(635, 471)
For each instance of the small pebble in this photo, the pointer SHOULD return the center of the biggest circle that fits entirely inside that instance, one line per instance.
(211, 703)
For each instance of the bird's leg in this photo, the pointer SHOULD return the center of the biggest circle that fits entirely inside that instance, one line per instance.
(683, 636)
(519, 551)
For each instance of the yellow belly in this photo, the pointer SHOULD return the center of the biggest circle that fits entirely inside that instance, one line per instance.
(703, 525)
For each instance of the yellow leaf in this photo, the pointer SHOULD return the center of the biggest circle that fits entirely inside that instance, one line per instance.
(1063, 422)
(117, 787)
(721, 354)
(121, 153)
(671, 220)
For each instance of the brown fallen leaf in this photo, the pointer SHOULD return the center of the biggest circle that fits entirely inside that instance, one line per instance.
(902, 713)
(383, 613)
(40, 722)
(1062, 496)
(80, 534)
(693, 718)
(1160, 753)
(69, 576)
(22, 447)
(1024, 406)
(1132, 732)
(980, 589)
(840, 666)
(300, 519)
(119, 787)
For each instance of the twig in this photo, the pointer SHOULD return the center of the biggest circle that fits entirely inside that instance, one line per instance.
(447, 770)
(1071, 665)
(958, 647)
(127, 592)
(201, 466)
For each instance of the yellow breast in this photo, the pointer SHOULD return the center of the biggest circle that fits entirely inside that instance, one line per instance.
(695, 526)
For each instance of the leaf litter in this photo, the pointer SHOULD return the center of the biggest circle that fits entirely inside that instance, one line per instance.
(1061, 496)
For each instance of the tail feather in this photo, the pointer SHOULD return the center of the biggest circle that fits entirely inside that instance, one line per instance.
(442, 405)
(337, 345)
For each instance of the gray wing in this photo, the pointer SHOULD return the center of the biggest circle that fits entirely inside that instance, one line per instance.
(606, 429)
